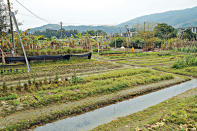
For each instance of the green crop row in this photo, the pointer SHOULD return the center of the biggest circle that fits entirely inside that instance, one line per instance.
(115, 74)
(95, 87)
(10, 97)
(60, 69)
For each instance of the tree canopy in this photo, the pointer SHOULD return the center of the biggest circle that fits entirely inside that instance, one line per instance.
(68, 33)
(119, 41)
(188, 34)
(165, 31)
(3, 17)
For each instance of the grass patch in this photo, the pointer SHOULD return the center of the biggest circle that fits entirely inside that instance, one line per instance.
(189, 71)
(147, 59)
(24, 120)
(178, 113)
(42, 70)
(10, 97)
(146, 64)
(187, 61)
(95, 85)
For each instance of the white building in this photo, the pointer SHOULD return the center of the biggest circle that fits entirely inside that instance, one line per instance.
(194, 29)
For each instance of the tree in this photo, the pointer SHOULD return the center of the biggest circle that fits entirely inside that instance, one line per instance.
(50, 33)
(100, 32)
(188, 34)
(137, 42)
(164, 31)
(119, 41)
(91, 32)
(4, 13)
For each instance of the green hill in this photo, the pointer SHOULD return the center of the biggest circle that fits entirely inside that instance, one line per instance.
(177, 18)
(81, 28)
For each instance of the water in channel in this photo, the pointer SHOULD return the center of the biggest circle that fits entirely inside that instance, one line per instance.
(106, 114)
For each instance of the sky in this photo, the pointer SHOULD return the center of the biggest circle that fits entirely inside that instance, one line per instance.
(92, 12)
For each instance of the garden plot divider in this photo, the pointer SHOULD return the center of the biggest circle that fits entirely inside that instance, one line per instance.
(44, 57)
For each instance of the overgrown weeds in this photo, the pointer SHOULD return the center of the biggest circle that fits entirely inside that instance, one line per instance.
(187, 61)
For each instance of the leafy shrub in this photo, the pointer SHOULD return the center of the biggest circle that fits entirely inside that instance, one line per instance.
(138, 42)
(185, 62)
(188, 49)
(75, 79)
(119, 41)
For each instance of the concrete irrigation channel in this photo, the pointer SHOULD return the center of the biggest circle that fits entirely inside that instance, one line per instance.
(104, 115)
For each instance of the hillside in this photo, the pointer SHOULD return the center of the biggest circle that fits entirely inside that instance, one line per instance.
(82, 28)
(178, 18)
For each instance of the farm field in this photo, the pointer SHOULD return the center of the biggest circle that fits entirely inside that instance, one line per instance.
(50, 70)
(56, 75)
(189, 71)
(35, 95)
(63, 88)
(149, 59)
(177, 113)
(187, 65)
(178, 63)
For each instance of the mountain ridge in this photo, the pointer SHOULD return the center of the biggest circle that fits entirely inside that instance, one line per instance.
(176, 18)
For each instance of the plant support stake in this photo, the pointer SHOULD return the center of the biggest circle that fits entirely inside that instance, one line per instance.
(15, 22)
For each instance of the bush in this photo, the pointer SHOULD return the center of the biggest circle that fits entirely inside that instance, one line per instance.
(185, 62)
(188, 49)
(119, 42)
(138, 42)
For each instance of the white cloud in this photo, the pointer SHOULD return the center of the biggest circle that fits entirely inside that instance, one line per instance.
(93, 11)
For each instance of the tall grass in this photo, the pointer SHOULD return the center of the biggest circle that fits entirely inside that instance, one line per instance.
(188, 49)
(187, 61)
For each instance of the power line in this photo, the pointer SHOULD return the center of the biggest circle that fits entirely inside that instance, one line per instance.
(38, 17)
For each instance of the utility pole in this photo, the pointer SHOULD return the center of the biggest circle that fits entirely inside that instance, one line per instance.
(120, 32)
(61, 29)
(16, 25)
(11, 26)
(144, 26)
